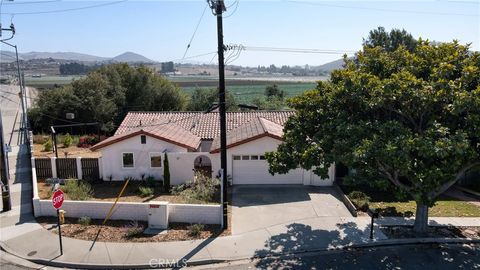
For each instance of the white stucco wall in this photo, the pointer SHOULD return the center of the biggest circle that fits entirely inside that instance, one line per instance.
(181, 165)
(181, 213)
(112, 158)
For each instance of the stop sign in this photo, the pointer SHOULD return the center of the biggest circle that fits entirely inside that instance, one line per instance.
(57, 199)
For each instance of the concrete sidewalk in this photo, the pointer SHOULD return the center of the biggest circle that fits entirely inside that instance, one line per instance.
(41, 246)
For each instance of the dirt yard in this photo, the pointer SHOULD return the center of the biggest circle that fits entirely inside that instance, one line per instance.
(108, 191)
(120, 231)
(70, 152)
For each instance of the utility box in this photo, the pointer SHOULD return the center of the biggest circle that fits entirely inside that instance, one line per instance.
(158, 215)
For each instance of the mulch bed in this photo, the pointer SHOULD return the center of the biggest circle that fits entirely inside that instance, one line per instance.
(116, 231)
(400, 232)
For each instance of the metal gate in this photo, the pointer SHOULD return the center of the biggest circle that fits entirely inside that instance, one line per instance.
(66, 168)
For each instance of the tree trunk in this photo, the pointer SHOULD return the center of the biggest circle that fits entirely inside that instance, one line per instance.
(421, 219)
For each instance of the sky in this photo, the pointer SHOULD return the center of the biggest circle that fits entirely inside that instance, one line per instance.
(161, 30)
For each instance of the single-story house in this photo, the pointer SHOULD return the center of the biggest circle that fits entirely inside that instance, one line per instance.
(191, 140)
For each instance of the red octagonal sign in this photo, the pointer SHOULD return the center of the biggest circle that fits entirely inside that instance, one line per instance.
(57, 199)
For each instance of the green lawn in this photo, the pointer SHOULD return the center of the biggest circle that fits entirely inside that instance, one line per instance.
(388, 204)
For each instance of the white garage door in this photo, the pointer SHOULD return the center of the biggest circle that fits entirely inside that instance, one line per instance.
(253, 170)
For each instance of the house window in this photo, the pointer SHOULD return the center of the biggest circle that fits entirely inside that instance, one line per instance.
(262, 157)
(245, 157)
(253, 157)
(127, 160)
(236, 157)
(143, 139)
(155, 160)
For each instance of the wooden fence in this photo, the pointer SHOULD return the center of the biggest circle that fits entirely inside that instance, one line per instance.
(67, 168)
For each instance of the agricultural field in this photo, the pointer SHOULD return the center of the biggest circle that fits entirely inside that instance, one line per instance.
(49, 81)
(247, 92)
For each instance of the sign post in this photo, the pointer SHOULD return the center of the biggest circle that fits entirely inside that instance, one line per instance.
(57, 201)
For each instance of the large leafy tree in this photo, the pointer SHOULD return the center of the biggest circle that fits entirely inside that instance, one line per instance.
(105, 96)
(203, 98)
(405, 117)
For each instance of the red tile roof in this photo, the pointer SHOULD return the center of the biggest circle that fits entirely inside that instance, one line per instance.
(171, 132)
(255, 129)
(204, 125)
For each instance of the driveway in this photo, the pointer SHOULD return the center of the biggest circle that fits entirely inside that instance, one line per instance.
(257, 207)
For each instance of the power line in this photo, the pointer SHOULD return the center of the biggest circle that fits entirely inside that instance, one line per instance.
(31, 2)
(383, 9)
(235, 10)
(195, 31)
(66, 10)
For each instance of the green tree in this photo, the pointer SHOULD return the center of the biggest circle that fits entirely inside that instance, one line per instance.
(390, 41)
(203, 98)
(166, 174)
(105, 96)
(405, 118)
(274, 91)
(67, 141)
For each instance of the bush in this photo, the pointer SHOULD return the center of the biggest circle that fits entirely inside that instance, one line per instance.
(360, 200)
(67, 141)
(87, 141)
(40, 138)
(78, 190)
(202, 190)
(145, 191)
(84, 221)
(151, 182)
(133, 229)
(177, 190)
(48, 146)
(195, 230)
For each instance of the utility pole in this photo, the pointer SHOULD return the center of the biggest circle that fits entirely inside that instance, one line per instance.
(218, 7)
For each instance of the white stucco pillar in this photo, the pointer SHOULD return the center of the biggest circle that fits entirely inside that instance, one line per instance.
(53, 160)
(34, 179)
(100, 168)
(79, 168)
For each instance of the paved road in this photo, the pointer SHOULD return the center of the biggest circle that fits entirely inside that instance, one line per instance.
(420, 257)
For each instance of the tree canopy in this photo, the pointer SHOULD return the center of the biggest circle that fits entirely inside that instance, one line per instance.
(203, 98)
(105, 96)
(402, 116)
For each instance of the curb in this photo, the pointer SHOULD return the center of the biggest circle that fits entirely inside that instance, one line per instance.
(373, 244)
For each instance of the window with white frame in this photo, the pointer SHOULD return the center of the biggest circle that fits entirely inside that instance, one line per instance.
(155, 160)
(128, 160)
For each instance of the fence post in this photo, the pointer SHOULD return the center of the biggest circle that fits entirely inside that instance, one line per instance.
(53, 160)
(100, 168)
(79, 168)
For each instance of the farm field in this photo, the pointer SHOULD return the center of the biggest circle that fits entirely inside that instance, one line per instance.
(50, 81)
(247, 92)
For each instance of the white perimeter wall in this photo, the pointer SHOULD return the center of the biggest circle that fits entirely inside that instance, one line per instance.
(181, 213)
(112, 158)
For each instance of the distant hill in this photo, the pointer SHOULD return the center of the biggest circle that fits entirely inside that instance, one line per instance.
(330, 66)
(131, 57)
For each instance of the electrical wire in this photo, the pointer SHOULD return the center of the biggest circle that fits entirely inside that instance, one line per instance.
(31, 2)
(383, 9)
(66, 10)
(235, 10)
(295, 50)
(195, 31)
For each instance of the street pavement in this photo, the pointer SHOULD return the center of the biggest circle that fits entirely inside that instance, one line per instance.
(412, 257)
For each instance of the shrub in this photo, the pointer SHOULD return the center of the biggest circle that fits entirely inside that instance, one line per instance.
(203, 189)
(360, 200)
(67, 140)
(166, 174)
(195, 230)
(151, 182)
(145, 191)
(84, 221)
(358, 195)
(47, 146)
(177, 190)
(87, 141)
(133, 229)
(40, 138)
(78, 190)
